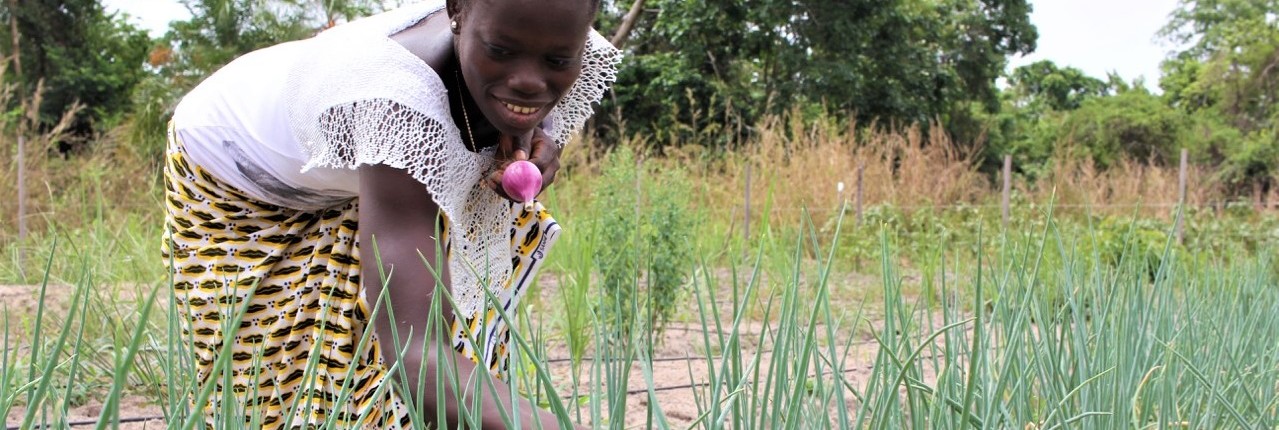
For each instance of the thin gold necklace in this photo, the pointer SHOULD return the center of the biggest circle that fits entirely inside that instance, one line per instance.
(465, 117)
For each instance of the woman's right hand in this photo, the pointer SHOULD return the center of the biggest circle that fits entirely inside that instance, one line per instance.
(537, 147)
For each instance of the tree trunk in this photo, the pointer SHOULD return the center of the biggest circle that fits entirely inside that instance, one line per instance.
(628, 23)
(16, 58)
(13, 30)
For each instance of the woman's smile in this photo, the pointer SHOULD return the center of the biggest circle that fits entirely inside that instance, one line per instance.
(521, 116)
(522, 110)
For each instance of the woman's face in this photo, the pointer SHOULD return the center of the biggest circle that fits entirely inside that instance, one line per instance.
(518, 57)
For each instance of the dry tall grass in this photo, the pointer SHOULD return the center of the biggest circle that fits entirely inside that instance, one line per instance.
(797, 165)
(794, 165)
(102, 181)
(1128, 187)
(801, 165)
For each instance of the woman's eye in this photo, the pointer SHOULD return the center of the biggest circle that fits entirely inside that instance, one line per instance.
(498, 51)
(560, 62)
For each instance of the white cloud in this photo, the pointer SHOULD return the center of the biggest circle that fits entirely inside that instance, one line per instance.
(150, 15)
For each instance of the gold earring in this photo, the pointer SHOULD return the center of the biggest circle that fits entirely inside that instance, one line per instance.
(453, 25)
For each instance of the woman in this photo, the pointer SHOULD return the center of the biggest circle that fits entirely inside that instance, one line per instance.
(288, 165)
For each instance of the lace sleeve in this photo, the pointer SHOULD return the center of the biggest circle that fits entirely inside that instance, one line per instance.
(383, 131)
(599, 71)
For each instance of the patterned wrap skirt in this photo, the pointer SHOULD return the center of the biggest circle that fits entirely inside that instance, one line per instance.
(296, 357)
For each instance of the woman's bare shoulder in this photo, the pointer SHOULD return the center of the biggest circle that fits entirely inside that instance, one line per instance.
(429, 40)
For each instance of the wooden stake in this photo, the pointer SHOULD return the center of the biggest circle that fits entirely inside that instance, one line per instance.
(639, 190)
(1008, 185)
(1181, 195)
(1258, 196)
(861, 168)
(22, 189)
(747, 234)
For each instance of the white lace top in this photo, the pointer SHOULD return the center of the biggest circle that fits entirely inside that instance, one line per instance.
(356, 97)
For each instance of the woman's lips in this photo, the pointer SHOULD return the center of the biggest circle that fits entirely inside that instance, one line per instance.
(519, 116)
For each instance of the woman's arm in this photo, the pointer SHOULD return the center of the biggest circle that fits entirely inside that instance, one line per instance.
(398, 212)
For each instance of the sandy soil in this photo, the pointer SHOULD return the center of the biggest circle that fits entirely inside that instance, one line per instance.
(680, 370)
(136, 413)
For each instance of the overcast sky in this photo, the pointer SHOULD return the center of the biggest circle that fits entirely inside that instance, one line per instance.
(1096, 36)
(1102, 36)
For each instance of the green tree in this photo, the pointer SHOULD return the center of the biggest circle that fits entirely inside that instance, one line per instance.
(682, 73)
(93, 58)
(1055, 88)
(335, 11)
(221, 30)
(1037, 100)
(1229, 71)
(699, 62)
(1131, 124)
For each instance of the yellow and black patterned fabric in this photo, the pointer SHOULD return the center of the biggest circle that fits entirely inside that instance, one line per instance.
(296, 275)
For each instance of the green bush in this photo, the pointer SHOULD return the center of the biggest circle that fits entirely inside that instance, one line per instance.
(1133, 124)
(1136, 245)
(644, 227)
(1236, 229)
(668, 250)
(153, 100)
(616, 231)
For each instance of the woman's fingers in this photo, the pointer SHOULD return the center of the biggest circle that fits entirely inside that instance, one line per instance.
(512, 148)
(536, 147)
(493, 181)
(545, 154)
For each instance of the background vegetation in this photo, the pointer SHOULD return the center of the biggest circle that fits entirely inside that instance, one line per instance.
(707, 77)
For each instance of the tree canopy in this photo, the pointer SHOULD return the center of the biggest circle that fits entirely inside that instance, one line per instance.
(696, 63)
(92, 57)
(1228, 75)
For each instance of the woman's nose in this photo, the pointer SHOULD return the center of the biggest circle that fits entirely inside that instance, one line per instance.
(527, 80)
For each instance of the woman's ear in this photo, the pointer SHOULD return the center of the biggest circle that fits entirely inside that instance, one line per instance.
(454, 9)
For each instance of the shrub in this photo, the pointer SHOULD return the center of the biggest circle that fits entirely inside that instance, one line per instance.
(645, 224)
(668, 251)
(1133, 124)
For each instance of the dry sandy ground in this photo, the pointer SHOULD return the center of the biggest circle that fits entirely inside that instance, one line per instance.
(136, 413)
(680, 368)
(21, 303)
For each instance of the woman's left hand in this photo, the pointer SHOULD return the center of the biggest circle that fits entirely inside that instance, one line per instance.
(536, 147)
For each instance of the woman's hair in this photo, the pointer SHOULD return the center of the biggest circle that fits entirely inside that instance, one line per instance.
(462, 4)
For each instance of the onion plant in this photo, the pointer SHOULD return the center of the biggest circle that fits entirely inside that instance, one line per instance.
(1034, 330)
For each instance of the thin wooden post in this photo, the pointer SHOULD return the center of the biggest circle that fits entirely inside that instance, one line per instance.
(861, 168)
(1258, 196)
(16, 37)
(639, 190)
(22, 189)
(747, 234)
(1181, 195)
(1008, 185)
